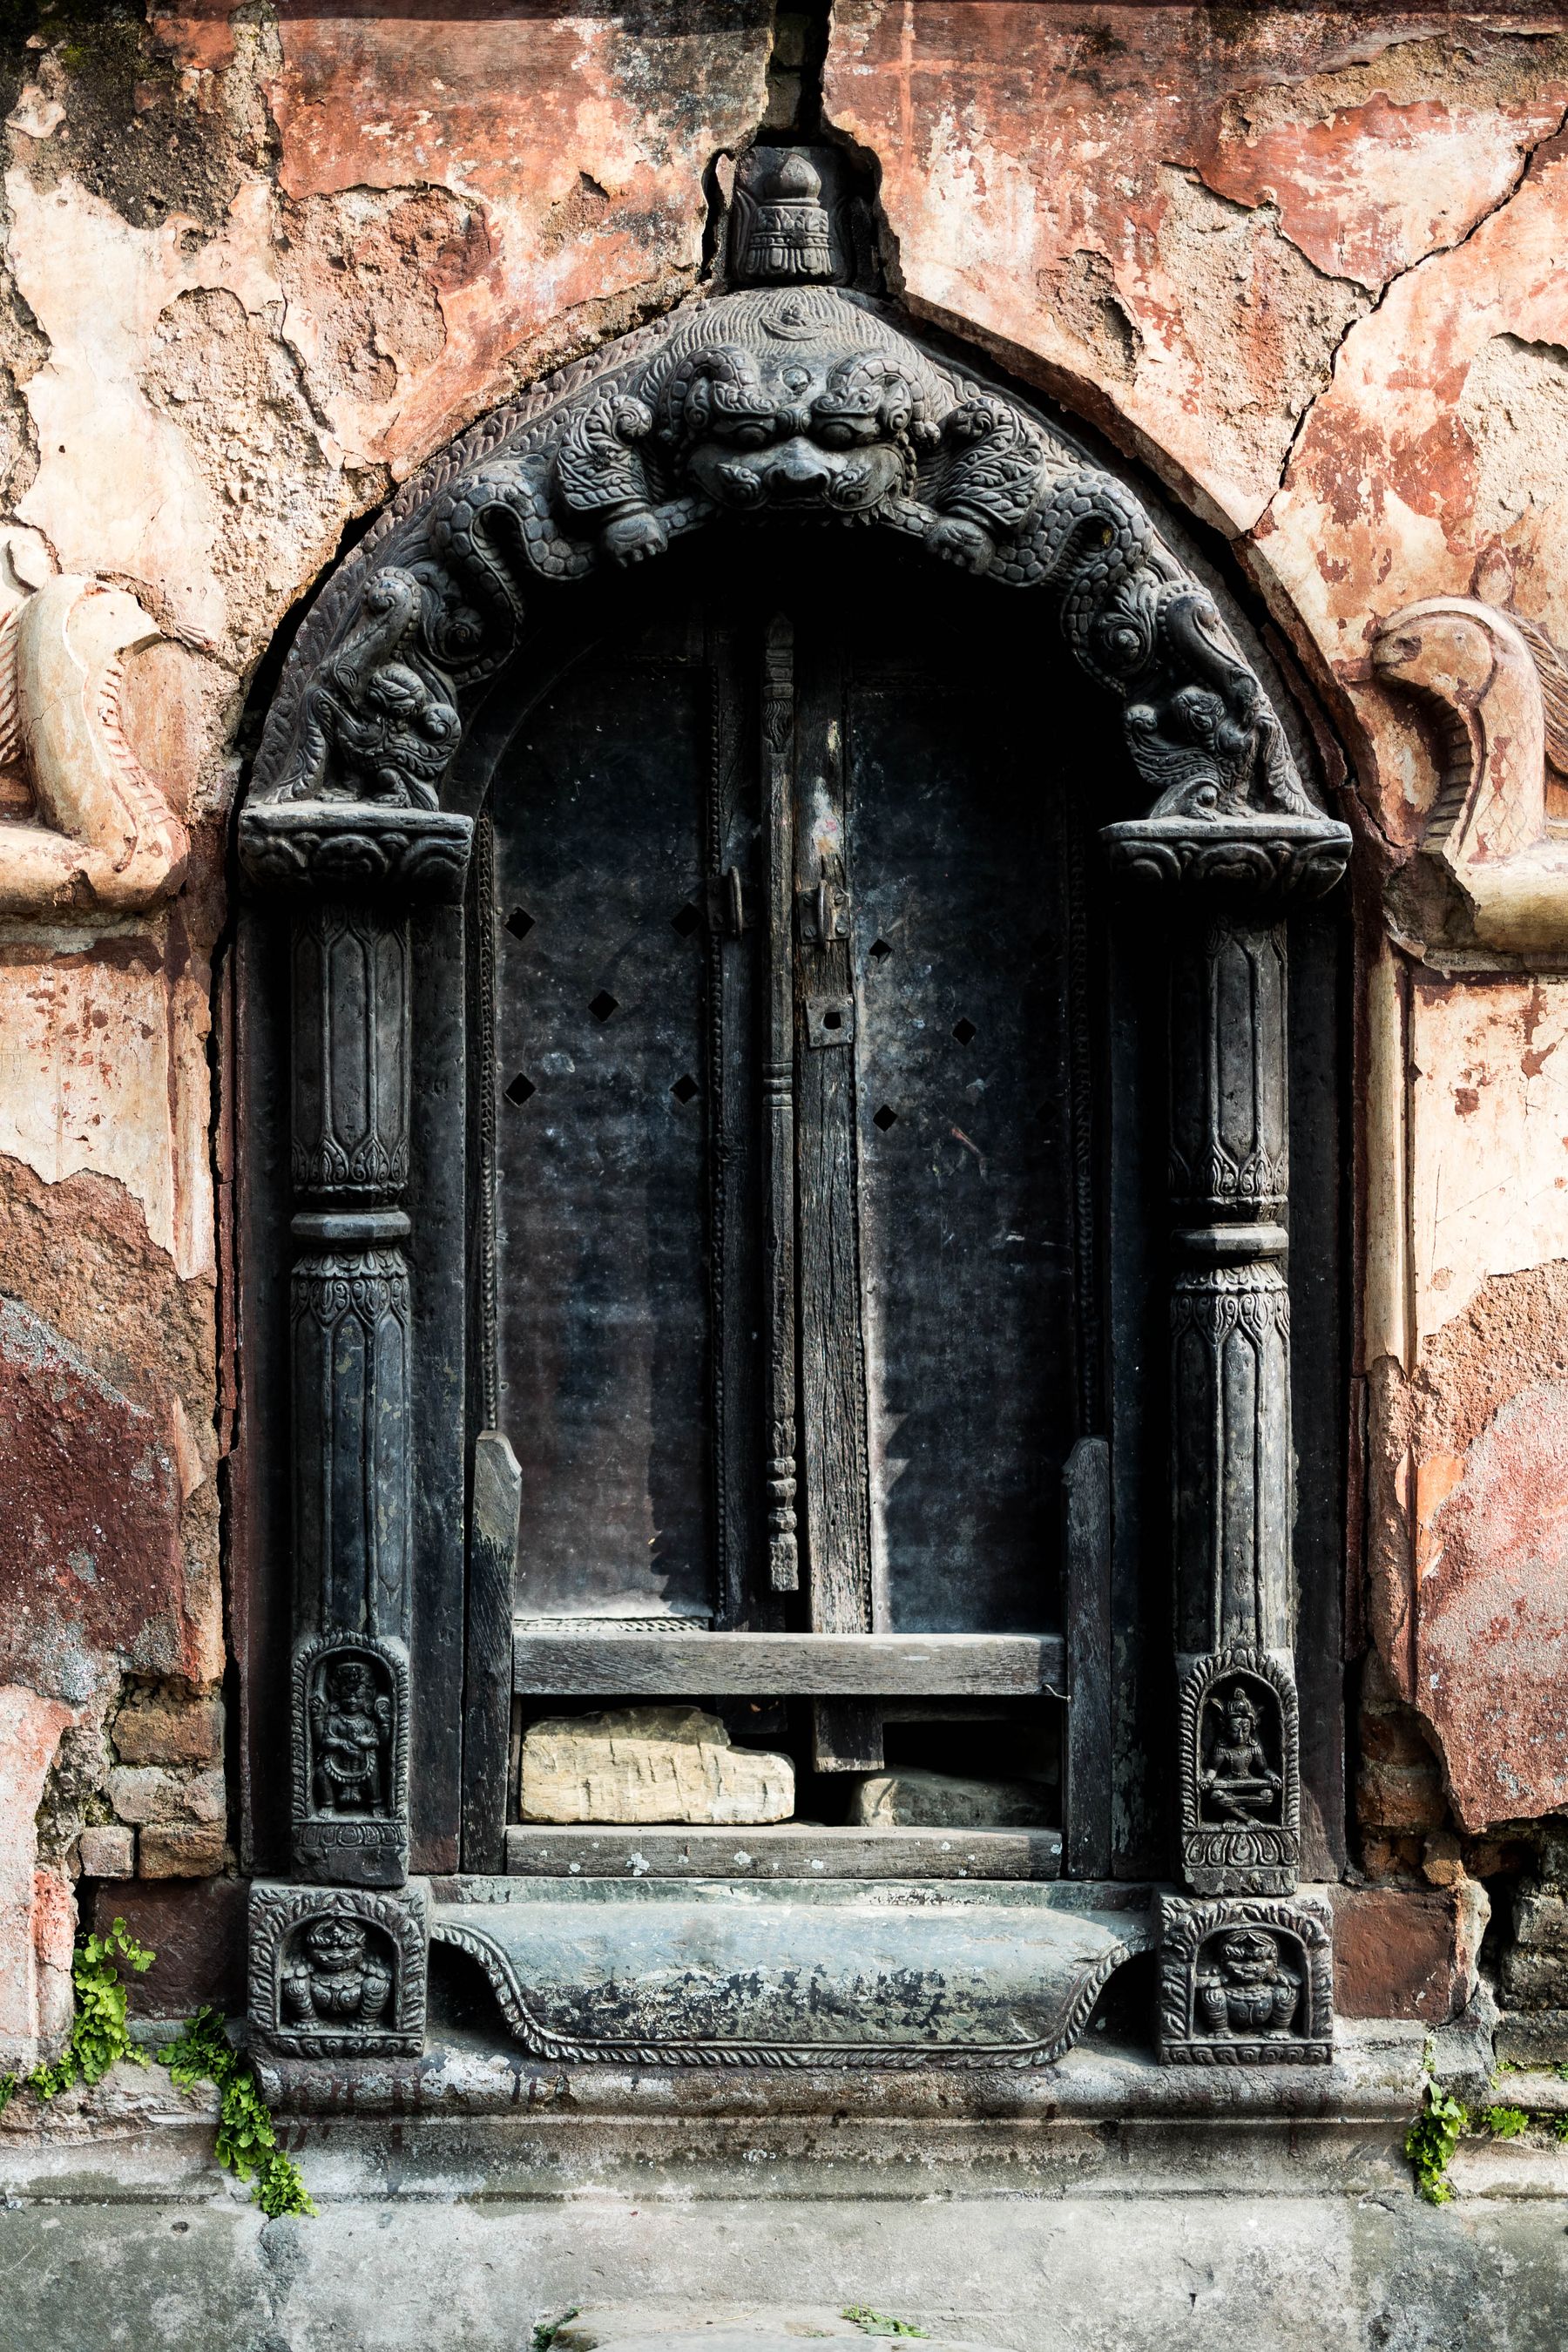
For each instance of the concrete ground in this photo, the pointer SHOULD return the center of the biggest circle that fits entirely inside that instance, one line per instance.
(1023, 2216)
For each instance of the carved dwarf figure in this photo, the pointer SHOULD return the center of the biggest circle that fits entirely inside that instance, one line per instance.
(1251, 1991)
(335, 1976)
(1237, 1780)
(351, 1731)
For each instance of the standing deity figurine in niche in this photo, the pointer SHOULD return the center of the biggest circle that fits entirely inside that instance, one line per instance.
(351, 1731)
(335, 1976)
(1251, 1991)
(1238, 1779)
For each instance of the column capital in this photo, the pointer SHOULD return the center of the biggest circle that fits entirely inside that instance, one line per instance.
(356, 849)
(1242, 863)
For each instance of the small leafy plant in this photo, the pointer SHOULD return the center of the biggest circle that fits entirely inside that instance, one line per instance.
(246, 2140)
(98, 2034)
(201, 2052)
(545, 2331)
(1430, 2143)
(1505, 2123)
(875, 2322)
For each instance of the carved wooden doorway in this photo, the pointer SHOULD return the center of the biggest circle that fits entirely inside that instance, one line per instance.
(790, 1307)
(717, 1060)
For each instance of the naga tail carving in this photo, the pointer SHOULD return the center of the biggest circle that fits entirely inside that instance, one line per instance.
(102, 832)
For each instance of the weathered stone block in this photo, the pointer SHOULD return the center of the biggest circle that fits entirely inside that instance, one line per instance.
(107, 1850)
(196, 1927)
(1406, 1952)
(166, 1728)
(649, 1764)
(707, 2326)
(940, 1800)
(1540, 1920)
(1535, 1980)
(1533, 2036)
(1401, 1796)
(181, 1850)
(141, 1793)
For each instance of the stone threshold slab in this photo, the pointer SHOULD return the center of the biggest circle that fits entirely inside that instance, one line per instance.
(786, 1850)
(792, 1973)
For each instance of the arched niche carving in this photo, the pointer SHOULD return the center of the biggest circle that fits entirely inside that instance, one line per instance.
(799, 400)
(798, 403)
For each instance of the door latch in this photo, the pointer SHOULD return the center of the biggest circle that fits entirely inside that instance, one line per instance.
(823, 914)
(830, 1020)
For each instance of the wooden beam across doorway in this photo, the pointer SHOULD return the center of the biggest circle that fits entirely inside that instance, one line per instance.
(592, 1662)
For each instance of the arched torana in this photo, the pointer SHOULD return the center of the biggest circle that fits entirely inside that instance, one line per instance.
(808, 403)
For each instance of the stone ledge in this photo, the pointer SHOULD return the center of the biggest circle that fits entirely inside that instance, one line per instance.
(1375, 2078)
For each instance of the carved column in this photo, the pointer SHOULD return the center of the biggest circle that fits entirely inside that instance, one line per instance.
(1232, 1485)
(353, 873)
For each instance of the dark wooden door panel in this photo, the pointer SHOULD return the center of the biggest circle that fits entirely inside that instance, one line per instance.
(961, 931)
(601, 1141)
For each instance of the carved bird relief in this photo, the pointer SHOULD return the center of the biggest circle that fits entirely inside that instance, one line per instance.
(94, 830)
(1497, 689)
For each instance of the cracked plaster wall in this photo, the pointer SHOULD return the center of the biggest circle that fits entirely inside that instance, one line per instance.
(1308, 264)
(1305, 263)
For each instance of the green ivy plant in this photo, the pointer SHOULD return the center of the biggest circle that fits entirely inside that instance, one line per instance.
(246, 2140)
(1505, 2123)
(98, 2034)
(1430, 2143)
(201, 2052)
(875, 2323)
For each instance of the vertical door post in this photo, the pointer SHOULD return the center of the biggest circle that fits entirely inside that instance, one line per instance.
(352, 873)
(1232, 1470)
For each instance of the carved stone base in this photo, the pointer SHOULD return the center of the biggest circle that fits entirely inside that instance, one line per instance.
(338, 1972)
(1245, 1981)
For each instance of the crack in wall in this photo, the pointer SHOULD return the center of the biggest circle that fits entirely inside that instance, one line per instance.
(1438, 252)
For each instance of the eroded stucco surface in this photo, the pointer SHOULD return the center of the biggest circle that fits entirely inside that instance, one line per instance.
(259, 264)
(1306, 264)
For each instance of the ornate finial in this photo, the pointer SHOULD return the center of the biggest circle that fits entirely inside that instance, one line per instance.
(784, 230)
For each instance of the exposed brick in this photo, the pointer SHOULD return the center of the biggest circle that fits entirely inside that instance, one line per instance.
(106, 1850)
(196, 1928)
(163, 1793)
(1403, 1952)
(1400, 1797)
(181, 1850)
(166, 1728)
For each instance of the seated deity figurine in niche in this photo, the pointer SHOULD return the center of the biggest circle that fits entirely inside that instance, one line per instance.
(335, 1975)
(351, 1731)
(1251, 1991)
(1237, 1780)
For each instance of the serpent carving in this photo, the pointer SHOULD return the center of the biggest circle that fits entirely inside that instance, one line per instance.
(798, 400)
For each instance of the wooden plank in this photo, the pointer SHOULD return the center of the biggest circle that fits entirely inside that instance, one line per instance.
(596, 1664)
(1087, 1756)
(832, 1345)
(737, 1144)
(778, 1106)
(845, 1736)
(780, 1850)
(487, 1690)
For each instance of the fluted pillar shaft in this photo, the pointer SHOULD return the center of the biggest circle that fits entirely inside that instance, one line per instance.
(1232, 1483)
(352, 874)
